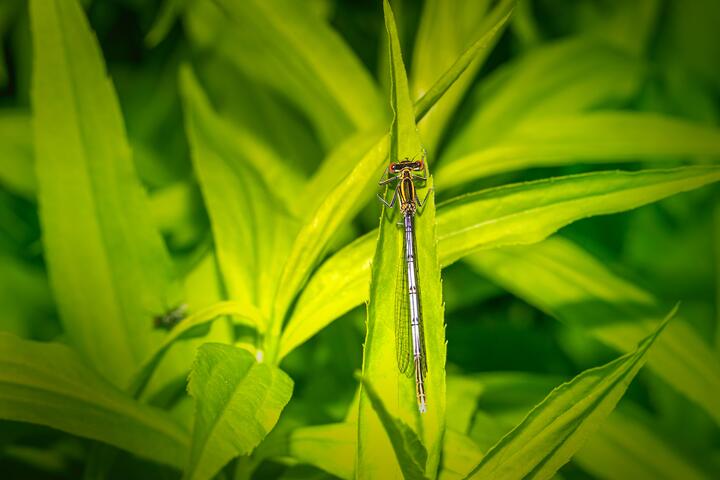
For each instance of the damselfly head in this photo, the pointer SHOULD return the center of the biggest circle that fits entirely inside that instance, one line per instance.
(406, 163)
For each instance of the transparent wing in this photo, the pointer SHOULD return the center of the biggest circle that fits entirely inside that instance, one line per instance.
(403, 348)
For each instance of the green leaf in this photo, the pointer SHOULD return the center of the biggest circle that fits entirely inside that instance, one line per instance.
(331, 292)
(16, 150)
(339, 189)
(409, 450)
(630, 446)
(395, 389)
(192, 326)
(462, 398)
(565, 77)
(460, 455)
(561, 279)
(627, 444)
(328, 447)
(304, 59)
(529, 212)
(559, 426)
(27, 304)
(512, 214)
(445, 31)
(164, 21)
(49, 384)
(337, 207)
(332, 448)
(251, 228)
(108, 267)
(340, 162)
(237, 402)
(585, 138)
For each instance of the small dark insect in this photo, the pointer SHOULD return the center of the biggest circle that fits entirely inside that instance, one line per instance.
(170, 318)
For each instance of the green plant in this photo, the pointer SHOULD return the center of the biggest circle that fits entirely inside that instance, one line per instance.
(233, 171)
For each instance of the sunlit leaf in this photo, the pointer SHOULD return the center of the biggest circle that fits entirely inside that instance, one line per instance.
(559, 426)
(237, 402)
(460, 455)
(251, 227)
(514, 214)
(586, 138)
(446, 30)
(627, 446)
(49, 384)
(344, 181)
(409, 450)
(108, 266)
(396, 391)
(332, 280)
(525, 213)
(303, 59)
(561, 279)
(329, 447)
(560, 78)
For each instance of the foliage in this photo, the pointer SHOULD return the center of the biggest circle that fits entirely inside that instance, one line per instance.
(189, 233)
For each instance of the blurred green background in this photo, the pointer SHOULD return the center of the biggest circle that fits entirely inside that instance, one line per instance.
(557, 63)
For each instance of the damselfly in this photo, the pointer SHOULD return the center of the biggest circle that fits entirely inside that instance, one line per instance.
(408, 314)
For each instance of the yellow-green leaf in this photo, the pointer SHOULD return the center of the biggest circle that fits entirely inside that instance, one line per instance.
(447, 28)
(108, 267)
(395, 390)
(514, 214)
(252, 228)
(561, 279)
(601, 137)
(237, 402)
(282, 44)
(49, 384)
(559, 426)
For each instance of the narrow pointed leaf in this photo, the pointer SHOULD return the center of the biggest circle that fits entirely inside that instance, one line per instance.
(561, 279)
(564, 77)
(237, 402)
(108, 267)
(49, 384)
(586, 138)
(629, 446)
(522, 213)
(396, 391)
(559, 426)
(251, 228)
(529, 212)
(446, 29)
(409, 450)
(333, 290)
(303, 59)
(341, 187)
